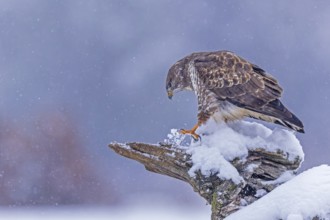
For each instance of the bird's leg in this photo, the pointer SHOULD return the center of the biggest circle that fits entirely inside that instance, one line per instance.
(192, 132)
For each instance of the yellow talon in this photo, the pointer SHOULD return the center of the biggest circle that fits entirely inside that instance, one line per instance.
(192, 132)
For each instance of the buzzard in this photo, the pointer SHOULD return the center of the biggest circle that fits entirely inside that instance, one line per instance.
(229, 88)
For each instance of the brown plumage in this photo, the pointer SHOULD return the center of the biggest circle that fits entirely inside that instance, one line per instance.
(229, 88)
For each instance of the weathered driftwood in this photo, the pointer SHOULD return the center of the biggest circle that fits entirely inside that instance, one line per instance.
(224, 196)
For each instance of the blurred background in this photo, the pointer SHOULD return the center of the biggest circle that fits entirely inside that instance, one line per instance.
(77, 75)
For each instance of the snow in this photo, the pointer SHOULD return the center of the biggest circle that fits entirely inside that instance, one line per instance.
(260, 193)
(221, 143)
(286, 176)
(250, 168)
(303, 197)
(139, 212)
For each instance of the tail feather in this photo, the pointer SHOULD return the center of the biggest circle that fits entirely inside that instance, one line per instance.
(290, 125)
(279, 114)
(283, 116)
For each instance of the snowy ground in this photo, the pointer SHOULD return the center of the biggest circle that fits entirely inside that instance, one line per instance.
(304, 197)
(142, 212)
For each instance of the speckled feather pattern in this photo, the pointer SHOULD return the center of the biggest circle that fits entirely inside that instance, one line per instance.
(229, 88)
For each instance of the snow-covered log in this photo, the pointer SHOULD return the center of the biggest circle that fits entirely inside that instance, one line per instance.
(231, 167)
(305, 197)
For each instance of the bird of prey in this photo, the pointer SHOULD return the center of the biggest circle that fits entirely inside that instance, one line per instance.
(229, 88)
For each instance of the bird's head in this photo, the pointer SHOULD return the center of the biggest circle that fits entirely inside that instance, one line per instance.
(177, 79)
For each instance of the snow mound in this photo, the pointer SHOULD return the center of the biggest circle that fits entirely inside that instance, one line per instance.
(303, 197)
(221, 143)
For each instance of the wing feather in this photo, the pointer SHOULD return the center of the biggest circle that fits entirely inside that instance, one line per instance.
(236, 80)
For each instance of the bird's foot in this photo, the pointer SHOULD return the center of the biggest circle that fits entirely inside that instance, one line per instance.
(195, 136)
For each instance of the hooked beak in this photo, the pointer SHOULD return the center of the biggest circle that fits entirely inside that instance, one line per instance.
(170, 94)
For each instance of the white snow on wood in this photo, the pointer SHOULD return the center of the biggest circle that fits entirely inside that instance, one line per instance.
(221, 143)
(303, 197)
(286, 176)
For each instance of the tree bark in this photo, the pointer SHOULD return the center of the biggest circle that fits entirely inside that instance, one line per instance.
(225, 197)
